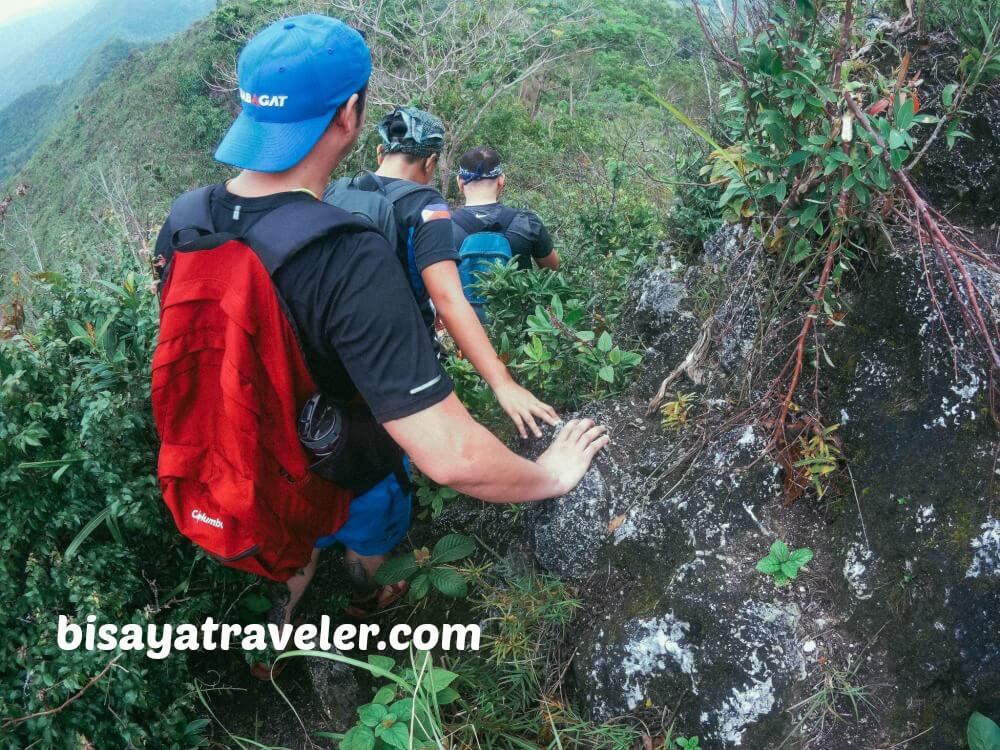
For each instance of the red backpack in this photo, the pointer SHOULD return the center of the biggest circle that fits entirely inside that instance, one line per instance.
(229, 380)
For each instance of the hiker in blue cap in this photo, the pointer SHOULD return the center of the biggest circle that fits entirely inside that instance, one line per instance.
(303, 82)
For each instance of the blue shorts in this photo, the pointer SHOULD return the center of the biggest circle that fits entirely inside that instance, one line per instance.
(377, 521)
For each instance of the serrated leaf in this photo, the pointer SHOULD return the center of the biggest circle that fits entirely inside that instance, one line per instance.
(359, 738)
(801, 556)
(397, 735)
(419, 588)
(371, 714)
(397, 569)
(449, 582)
(789, 569)
(403, 708)
(453, 547)
(779, 551)
(769, 565)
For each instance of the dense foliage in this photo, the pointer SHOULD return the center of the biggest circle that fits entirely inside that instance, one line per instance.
(83, 529)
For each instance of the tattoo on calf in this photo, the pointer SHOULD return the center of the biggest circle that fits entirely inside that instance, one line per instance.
(359, 576)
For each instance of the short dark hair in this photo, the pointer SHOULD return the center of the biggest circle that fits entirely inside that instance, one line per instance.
(481, 160)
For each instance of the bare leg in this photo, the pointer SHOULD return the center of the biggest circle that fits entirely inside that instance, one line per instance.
(297, 586)
(362, 571)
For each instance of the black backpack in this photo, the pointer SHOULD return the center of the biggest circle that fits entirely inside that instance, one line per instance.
(365, 195)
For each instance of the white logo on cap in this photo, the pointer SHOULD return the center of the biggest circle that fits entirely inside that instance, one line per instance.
(262, 100)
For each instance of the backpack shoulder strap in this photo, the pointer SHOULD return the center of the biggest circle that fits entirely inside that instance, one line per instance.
(506, 218)
(191, 216)
(398, 190)
(467, 221)
(284, 231)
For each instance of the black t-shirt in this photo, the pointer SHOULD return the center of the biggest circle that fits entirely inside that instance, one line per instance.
(358, 325)
(526, 234)
(425, 237)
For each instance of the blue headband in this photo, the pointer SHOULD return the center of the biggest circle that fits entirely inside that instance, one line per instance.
(468, 176)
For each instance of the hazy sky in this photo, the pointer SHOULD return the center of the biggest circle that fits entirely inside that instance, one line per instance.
(12, 9)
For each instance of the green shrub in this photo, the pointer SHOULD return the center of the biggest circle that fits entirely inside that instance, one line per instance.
(78, 453)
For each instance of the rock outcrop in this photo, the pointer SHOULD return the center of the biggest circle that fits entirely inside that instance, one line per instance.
(901, 605)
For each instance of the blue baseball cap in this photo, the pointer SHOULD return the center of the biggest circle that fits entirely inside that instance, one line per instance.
(293, 77)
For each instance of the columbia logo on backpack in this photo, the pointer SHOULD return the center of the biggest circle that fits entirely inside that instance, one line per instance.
(229, 381)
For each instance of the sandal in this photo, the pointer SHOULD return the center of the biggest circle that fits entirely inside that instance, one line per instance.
(268, 671)
(382, 598)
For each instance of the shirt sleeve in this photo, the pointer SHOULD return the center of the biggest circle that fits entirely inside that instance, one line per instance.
(433, 231)
(368, 317)
(529, 226)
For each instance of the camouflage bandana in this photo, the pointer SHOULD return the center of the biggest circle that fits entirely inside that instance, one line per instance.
(424, 133)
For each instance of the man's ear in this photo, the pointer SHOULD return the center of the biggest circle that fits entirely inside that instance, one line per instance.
(380, 154)
(461, 184)
(501, 181)
(347, 118)
(429, 164)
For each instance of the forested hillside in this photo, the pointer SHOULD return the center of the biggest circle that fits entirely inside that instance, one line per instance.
(56, 59)
(28, 119)
(780, 291)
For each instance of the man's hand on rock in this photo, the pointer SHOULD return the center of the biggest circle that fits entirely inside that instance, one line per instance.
(570, 454)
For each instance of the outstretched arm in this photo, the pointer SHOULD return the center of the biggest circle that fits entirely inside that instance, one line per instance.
(450, 447)
(445, 288)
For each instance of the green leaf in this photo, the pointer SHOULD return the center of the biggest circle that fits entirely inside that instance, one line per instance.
(359, 738)
(797, 107)
(948, 94)
(385, 695)
(585, 335)
(449, 582)
(419, 587)
(780, 579)
(439, 679)
(557, 306)
(397, 735)
(607, 373)
(446, 696)
(789, 569)
(769, 565)
(779, 551)
(604, 343)
(983, 733)
(801, 556)
(896, 139)
(403, 708)
(382, 662)
(452, 547)
(397, 569)
(904, 115)
(256, 603)
(372, 713)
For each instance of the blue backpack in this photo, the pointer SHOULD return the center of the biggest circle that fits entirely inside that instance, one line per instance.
(481, 250)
